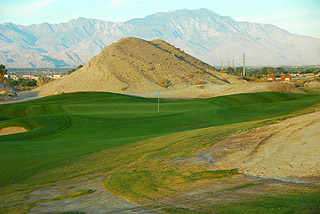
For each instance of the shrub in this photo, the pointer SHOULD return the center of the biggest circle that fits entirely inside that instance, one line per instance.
(164, 83)
(150, 68)
(199, 82)
(201, 72)
(43, 80)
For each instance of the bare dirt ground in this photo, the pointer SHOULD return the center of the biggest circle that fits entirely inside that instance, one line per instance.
(12, 130)
(288, 151)
(54, 199)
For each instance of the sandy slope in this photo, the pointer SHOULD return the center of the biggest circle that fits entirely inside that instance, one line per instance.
(221, 90)
(289, 150)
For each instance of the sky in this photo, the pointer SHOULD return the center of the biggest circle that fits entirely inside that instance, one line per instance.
(296, 16)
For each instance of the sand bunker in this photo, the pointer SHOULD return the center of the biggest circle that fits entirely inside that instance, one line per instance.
(12, 130)
(288, 150)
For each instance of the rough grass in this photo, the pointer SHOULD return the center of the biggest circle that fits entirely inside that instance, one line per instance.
(241, 186)
(75, 194)
(16, 209)
(299, 203)
(81, 133)
(212, 174)
(312, 90)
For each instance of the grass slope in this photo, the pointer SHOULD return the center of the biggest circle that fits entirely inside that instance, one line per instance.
(67, 128)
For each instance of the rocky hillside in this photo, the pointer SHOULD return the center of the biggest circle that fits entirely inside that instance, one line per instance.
(135, 65)
(202, 33)
(7, 89)
(7, 92)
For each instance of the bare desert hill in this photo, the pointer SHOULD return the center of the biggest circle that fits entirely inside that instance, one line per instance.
(134, 65)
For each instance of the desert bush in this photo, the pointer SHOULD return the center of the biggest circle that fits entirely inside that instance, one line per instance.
(201, 72)
(199, 82)
(150, 68)
(71, 71)
(44, 80)
(164, 83)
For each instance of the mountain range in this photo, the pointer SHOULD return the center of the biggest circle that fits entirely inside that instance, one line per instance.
(201, 33)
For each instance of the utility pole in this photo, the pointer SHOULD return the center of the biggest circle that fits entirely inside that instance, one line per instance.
(222, 65)
(228, 65)
(233, 66)
(244, 64)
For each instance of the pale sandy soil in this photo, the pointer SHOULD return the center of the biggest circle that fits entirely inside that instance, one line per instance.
(289, 150)
(12, 130)
(101, 201)
(221, 90)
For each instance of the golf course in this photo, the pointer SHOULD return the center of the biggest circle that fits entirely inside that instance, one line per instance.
(127, 140)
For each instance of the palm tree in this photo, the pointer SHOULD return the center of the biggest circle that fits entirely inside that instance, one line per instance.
(3, 71)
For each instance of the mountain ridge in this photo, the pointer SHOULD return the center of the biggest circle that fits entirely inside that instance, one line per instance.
(202, 33)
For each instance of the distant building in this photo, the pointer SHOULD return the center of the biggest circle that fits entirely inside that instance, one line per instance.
(273, 78)
(285, 78)
(27, 76)
(278, 78)
(57, 76)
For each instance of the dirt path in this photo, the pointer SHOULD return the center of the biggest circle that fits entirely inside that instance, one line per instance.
(97, 200)
(12, 130)
(289, 150)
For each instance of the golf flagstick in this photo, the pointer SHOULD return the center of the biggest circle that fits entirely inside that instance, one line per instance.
(158, 101)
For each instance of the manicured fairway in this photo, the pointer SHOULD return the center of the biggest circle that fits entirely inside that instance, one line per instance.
(65, 127)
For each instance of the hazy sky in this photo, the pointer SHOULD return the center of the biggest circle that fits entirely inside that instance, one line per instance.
(296, 16)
